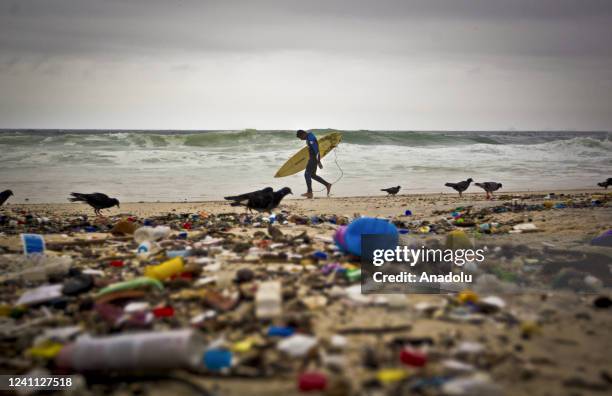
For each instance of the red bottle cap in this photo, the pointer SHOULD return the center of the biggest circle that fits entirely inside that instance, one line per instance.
(312, 381)
(413, 357)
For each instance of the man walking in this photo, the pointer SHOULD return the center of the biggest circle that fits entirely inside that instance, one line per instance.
(314, 160)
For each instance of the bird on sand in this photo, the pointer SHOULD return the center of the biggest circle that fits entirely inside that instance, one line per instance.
(489, 187)
(461, 186)
(261, 200)
(604, 184)
(4, 195)
(392, 190)
(98, 201)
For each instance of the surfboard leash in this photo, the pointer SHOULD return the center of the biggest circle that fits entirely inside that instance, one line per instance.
(339, 167)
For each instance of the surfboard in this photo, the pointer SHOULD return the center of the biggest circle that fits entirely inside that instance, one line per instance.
(299, 160)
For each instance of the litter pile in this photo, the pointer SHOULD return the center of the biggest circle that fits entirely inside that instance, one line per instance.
(252, 296)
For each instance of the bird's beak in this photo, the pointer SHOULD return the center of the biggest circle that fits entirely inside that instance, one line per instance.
(118, 206)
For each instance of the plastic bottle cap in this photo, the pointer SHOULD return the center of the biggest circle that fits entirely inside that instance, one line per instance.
(311, 381)
(413, 357)
(278, 331)
(217, 359)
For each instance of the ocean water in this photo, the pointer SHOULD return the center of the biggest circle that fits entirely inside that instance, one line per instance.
(45, 166)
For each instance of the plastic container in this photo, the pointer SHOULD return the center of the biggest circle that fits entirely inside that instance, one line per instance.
(367, 226)
(151, 233)
(268, 300)
(33, 244)
(166, 269)
(339, 237)
(135, 351)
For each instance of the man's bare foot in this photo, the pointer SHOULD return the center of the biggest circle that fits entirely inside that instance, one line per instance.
(308, 195)
(329, 186)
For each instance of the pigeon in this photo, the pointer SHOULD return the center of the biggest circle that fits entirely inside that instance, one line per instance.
(461, 186)
(4, 195)
(98, 201)
(392, 190)
(603, 184)
(489, 187)
(261, 200)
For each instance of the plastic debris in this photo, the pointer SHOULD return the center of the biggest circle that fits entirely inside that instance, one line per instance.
(312, 381)
(166, 269)
(135, 351)
(217, 359)
(297, 345)
(268, 300)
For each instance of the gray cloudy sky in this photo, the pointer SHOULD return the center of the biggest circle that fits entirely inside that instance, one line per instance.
(350, 64)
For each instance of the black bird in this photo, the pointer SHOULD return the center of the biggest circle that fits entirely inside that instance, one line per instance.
(461, 186)
(392, 190)
(489, 187)
(4, 195)
(98, 201)
(260, 200)
(603, 184)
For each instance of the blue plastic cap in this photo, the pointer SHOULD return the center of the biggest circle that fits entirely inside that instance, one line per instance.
(279, 331)
(217, 359)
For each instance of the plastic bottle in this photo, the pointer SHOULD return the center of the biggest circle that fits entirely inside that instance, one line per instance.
(367, 226)
(268, 300)
(135, 351)
(166, 269)
(38, 267)
(151, 233)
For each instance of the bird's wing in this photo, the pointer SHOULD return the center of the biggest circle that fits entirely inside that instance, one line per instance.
(245, 196)
(97, 199)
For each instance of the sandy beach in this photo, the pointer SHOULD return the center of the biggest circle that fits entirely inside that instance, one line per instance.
(563, 352)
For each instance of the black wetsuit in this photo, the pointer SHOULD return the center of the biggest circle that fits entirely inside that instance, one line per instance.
(311, 167)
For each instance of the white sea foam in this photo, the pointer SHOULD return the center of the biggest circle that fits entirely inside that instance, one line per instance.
(45, 166)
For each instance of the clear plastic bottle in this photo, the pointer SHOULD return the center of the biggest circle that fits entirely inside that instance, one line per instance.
(136, 351)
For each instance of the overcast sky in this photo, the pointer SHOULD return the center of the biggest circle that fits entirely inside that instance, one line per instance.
(349, 64)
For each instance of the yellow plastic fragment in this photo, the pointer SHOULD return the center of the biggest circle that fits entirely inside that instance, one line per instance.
(47, 350)
(466, 296)
(243, 346)
(391, 375)
(166, 269)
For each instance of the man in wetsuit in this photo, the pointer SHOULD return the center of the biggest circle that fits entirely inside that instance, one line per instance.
(314, 160)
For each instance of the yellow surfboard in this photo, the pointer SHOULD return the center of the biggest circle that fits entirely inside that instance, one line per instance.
(299, 160)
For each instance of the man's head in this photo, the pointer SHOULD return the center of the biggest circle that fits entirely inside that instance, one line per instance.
(301, 134)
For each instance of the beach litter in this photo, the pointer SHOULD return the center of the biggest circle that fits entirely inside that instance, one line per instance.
(279, 297)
